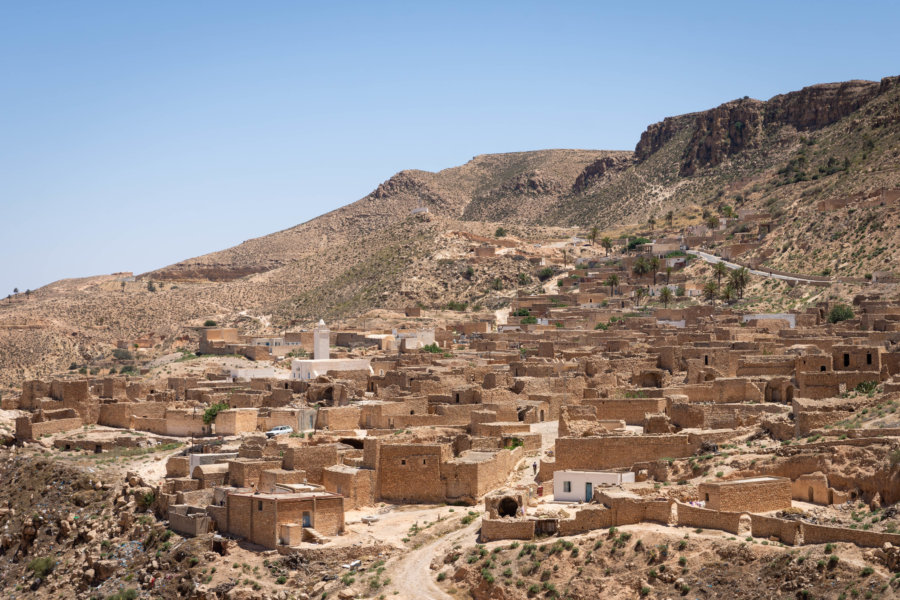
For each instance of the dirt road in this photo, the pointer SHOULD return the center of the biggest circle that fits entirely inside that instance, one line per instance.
(412, 577)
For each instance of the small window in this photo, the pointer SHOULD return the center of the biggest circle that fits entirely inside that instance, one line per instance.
(869, 358)
(567, 486)
(846, 360)
(706, 360)
(822, 368)
(423, 461)
(402, 461)
(259, 505)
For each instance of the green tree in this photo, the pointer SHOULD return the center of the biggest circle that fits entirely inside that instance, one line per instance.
(665, 296)
(670, 217)
(607, 244)
(668, 274)
(739, 278)
(651, 222)
(501, 232)
(640, 267)
(639, 294)
(728, 293)
(654, 267)
(710, 291)
(713, 222)
(613, 282)
(595, 231)
(719, 270)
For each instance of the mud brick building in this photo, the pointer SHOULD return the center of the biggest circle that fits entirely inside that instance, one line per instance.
(756, 494)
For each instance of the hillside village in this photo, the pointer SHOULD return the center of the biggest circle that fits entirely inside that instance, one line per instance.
(625, 407)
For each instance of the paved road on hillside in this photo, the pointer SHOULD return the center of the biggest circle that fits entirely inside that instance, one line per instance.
(713, 259)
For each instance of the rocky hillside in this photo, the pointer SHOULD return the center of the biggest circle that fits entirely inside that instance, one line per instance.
(830, 147)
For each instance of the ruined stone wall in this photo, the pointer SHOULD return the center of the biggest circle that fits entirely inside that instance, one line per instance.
(312, 459)
(630, 410)
(338, 418)
(586, 519)
(236, 421)
(506, 529)
(608, 452)
(185, 423)
(357, 486)
(704, 518)
(767, 527)
(247, 473)
(28, 430)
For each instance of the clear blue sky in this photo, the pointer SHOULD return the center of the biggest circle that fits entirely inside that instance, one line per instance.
(137, 134)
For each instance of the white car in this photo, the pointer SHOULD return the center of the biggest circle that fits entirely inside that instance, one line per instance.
(280, 430)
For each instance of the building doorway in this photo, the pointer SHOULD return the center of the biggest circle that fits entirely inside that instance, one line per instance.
(588, 491)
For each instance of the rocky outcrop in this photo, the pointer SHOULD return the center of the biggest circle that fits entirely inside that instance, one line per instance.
(597, 169)
(655, 137)
(817, 106)
(534, 182)
(721, 132)
(735, 126)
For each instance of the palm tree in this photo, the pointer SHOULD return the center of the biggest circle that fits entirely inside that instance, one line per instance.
(639, 295)
(651, 222)
(712, 222)
(665, 296)
(739, 278)
(565, 257)
(719, 270)
(710, 289)
(27, 294)
(607, 244)
(640, 266)
(595, 231)
(654, 266)
(670, 216)
(668, 274)
(728, 293)
(613, 282)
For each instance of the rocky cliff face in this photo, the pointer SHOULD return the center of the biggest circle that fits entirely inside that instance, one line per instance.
(656, 136)
(817, 106)
(721, 132)
(732, 127)
(597, 169)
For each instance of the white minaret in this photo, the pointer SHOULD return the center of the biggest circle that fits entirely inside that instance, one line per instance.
(321, 341)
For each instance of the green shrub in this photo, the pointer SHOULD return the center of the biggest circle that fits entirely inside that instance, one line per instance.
(501, 232)
(209, 323)
(457, 306)
(840, 312)
(529, 320)
(127, 594)
(42, 566)
(209, 416)
(545, 274)
(867, 387)
(122, 354)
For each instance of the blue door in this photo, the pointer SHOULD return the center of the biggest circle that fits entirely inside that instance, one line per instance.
(588, 492)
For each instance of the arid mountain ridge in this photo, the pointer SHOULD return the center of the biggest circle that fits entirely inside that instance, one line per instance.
(782, 156)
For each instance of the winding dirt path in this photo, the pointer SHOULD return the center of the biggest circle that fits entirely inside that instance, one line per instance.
(412, 577)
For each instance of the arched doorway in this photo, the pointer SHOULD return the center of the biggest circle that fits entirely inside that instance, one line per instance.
(508, 507)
